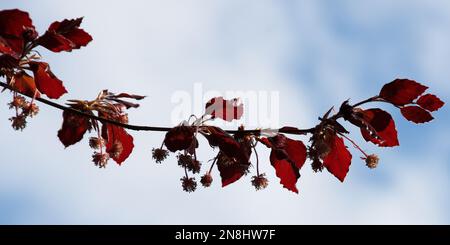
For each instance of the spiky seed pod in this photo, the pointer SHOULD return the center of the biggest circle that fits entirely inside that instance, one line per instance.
(19, 122)
(206, 180)
(96, 143)
(159, 154)
(184, 160)
(100, 159)
(372, 161)
(260, 182)
(18, 101)
(188, 184)
(31, 109)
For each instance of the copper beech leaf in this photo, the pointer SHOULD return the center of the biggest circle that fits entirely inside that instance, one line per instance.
(287, 157)
(6, 49)
(416, 114)
(384, 126)
(65, 36)
(8, 62)
(402, 91)
(24, 83)
(338, 160)
(46, 82)
(118, 143)
(73, 128)
(430, 102)
(227, 110)
(179, 138)
(231, 170)
(233, 158)
(14, 24)
(226, 143)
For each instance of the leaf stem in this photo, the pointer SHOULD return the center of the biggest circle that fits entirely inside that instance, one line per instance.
(354, 144)
(371, 99)
(186, 173)
(257, 160)
(212, 165)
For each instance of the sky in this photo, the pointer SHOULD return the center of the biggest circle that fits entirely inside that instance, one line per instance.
(315, 54)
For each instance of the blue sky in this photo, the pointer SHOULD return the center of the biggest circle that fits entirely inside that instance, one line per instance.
(315, 53)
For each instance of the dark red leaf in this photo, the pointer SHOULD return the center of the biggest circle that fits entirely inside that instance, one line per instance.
(231, 170)
(55, 42)
(287, 157)
(225, 109)
(226, 143)
(8, 62)
(430, 102)
(6, 49)
(46, 82)
(266, 142)
(416, 114)
(119, 144)
(179, 138)
(12, 46)
(402, 91)
(14, 26)
(13, 22)
(217, 137)
(24, 83)
(234, 156)
(73, 128)
(378, 127)
(65, 36)
(338, 159)
(78, 37)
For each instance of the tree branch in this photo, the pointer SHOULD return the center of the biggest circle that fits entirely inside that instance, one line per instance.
(142, 128)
